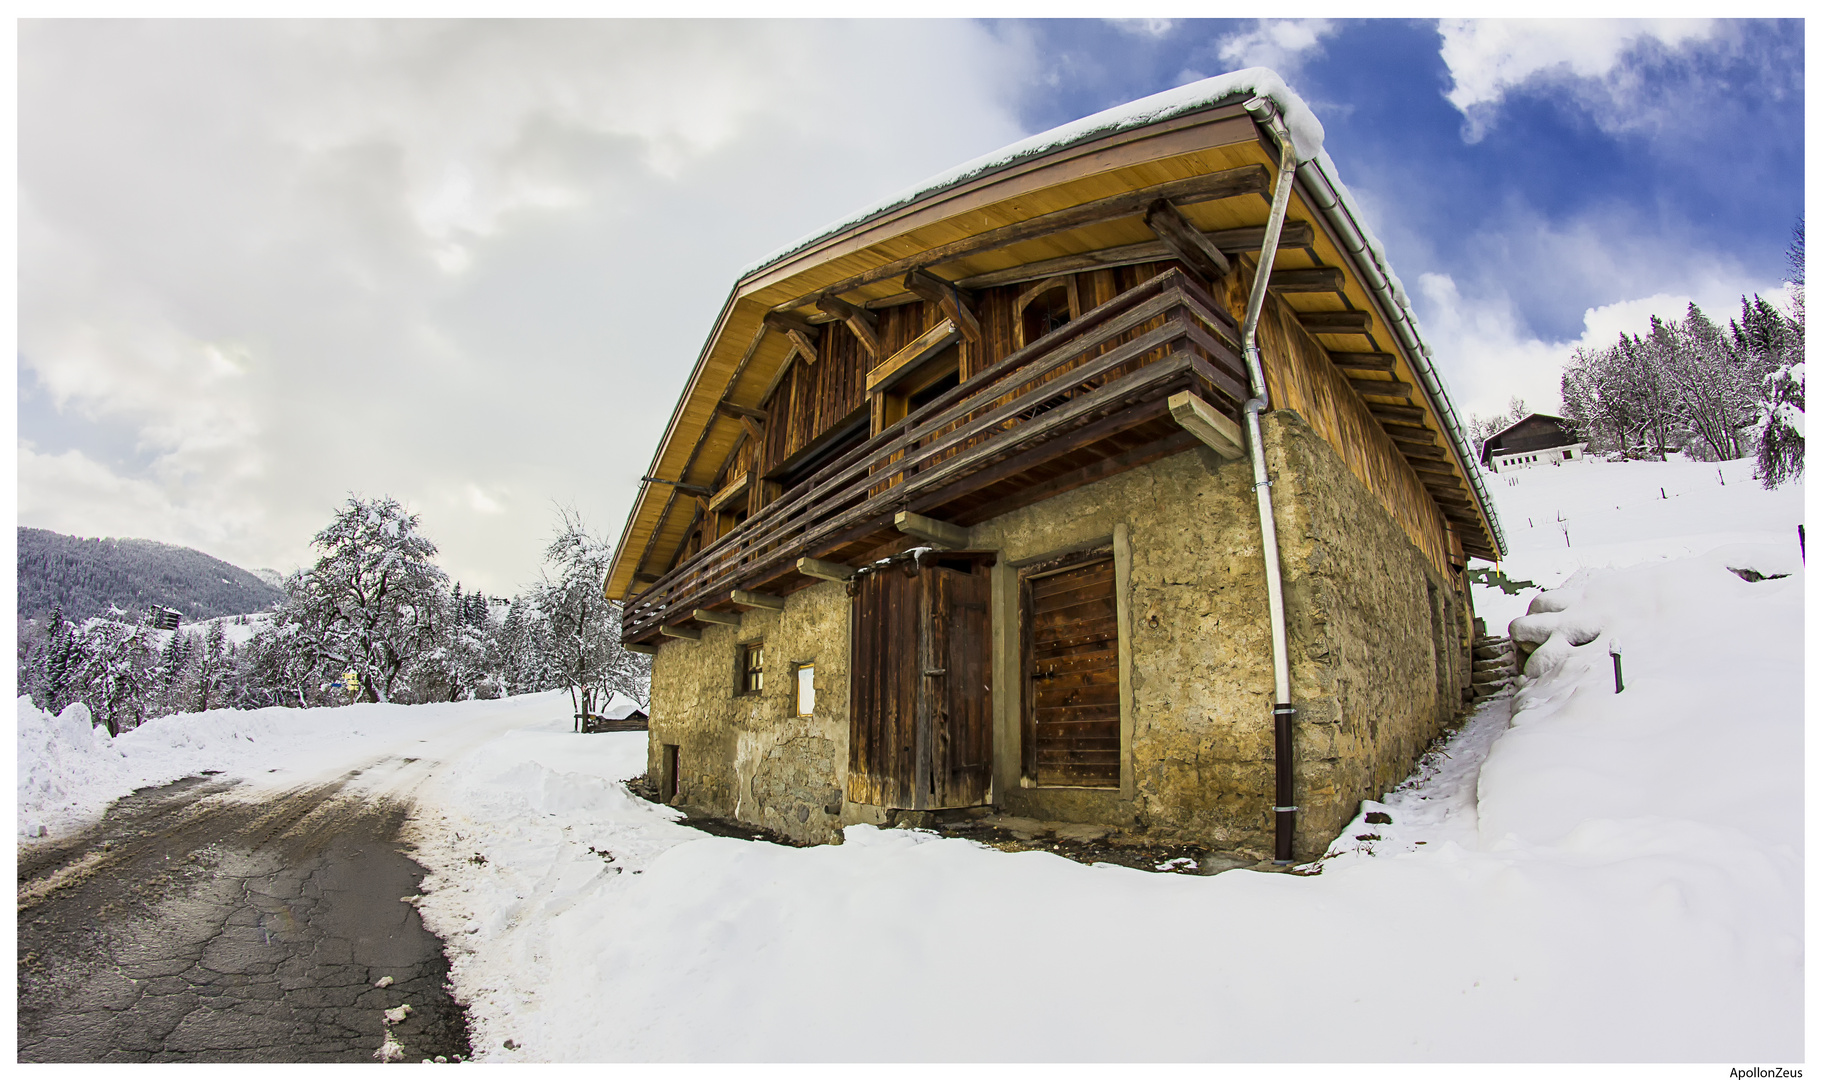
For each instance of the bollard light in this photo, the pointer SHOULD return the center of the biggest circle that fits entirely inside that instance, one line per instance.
(1613, 650)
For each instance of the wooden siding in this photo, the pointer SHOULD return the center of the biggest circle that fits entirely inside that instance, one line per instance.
(1299, 376)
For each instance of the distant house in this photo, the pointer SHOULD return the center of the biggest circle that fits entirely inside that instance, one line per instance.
(984, 497)
(1538, 439)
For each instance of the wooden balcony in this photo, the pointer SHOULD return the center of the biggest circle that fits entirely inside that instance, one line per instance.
(1084, 402)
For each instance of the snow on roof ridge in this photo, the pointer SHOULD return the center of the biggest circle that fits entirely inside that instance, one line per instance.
(1233, 87)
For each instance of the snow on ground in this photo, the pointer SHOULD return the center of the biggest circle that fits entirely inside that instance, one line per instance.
(1577, 875)
(69, 770)
(1591, 514)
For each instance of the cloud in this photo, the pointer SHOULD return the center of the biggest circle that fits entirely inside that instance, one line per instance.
(1595, 60)
(1280, 44)
(469, 264)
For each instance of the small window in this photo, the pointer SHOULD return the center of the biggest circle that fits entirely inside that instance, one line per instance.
(752, 667)
(806, 689)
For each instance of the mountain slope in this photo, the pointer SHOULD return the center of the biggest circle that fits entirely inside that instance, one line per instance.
(87, 576)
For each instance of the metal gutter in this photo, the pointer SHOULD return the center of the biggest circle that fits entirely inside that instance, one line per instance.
(1321, 189)
(1285, 813)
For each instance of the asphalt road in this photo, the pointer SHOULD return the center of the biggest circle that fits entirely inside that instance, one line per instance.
(192, 926)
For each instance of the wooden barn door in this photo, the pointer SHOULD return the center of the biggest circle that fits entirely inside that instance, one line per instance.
(920, 719)
(1071, 722)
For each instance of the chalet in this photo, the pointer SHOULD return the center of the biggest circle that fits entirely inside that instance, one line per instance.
(1538, 439)
(1105, 479)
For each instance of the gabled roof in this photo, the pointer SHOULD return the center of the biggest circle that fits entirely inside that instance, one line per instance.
(1190, 132)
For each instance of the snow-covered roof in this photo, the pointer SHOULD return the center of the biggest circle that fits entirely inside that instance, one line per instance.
(1228, 89)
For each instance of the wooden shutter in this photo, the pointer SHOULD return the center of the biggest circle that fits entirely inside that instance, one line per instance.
(1071, 717)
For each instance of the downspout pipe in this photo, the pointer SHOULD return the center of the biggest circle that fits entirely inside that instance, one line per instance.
(1284, 810)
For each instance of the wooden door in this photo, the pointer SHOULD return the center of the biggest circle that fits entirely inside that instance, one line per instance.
(1071, 721)
(958, 684)
(920, 720)
(885, 681)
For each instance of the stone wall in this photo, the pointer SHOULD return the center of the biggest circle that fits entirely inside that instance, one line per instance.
(751, 757)
(1366, 613)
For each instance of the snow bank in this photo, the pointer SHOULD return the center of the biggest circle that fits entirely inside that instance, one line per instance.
(70, 770)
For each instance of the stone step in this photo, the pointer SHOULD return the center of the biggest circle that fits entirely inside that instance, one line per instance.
(1493, 654)
(1491, 678)
(1494, 663)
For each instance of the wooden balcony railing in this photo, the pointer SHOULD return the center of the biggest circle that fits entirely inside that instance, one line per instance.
(1104, 373)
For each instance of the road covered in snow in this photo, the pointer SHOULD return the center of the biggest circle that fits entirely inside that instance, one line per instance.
(1576, 875)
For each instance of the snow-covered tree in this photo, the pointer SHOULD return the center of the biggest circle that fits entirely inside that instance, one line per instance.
(372, 601)
(581, 638)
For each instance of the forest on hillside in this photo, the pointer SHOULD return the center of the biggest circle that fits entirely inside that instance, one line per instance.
(86, 576)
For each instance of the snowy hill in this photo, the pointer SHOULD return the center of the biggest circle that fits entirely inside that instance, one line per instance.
(1579, 874)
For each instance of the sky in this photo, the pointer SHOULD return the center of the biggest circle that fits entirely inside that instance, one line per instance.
(266, 265)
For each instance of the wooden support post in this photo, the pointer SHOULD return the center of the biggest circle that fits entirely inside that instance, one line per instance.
(684, 633)
(758, 600)
(722, 617)
(828, 571)
(641, 649)
(858, 319)
(1186, 241)
(927, 528)
(1200, 419)
(944, 294)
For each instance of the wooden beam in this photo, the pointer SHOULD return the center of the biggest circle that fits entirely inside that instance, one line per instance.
(641, 649)
(1364, 361)
(1395, 412)
(1416, 432)
(753, 431)
(723, 617)
(683, 633)
(928, 528)
(1427, 451)
(828, 571)
(740, 412)
(682, 488)
(1335, 322)
(801, 331)
(948, 299)
(1327, 279)
(859, 320)
(735, 488)
(758, 600)
(1200, 419)
(1250, 238)
(905, 360)
(1226, 184)
(1186, 241)
(1382, 388)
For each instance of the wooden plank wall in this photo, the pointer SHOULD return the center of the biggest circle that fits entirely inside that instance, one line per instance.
(1299, 376)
